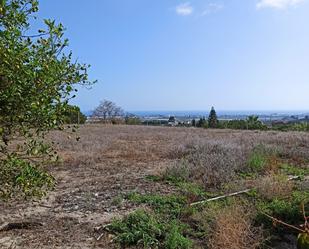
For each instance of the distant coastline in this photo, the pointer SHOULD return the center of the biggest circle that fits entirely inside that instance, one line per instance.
(188, 116)
(219, 112)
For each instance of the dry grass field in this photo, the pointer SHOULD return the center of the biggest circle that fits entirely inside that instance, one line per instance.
(110, 162)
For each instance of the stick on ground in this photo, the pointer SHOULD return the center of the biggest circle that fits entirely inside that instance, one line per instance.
(19, 225)
(221, 197)
(235, 193)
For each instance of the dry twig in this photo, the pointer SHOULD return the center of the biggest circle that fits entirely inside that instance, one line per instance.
(19, 225)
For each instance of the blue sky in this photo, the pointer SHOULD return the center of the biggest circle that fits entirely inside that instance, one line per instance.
(190, 55)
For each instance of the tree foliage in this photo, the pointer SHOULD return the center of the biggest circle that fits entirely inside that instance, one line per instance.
(250, 123)
(131, 119)
(37, 79)
(172, 119)
(193, 122)
(202, 123)
(73, 115)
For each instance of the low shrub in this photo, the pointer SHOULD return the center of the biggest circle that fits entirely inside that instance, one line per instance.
(178, 172)
(138, 228)
(170, 205)
(175, 238)
(263, 159)
(257, 161)
(146, 229)
(214, 164)
(117, 201)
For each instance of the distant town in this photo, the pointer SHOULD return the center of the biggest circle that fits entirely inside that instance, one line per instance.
(186, 118)
(173, 118)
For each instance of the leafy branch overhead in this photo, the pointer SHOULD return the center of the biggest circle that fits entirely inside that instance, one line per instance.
(37, 79)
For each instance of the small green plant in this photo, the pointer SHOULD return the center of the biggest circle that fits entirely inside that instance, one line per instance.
(257, 162)
(300, 197)
(248, 175)
(258, 158)
(138, 228)
(178, 175)
(293, 170)
(175, 238)
(192, 189)
(117, 201)
(170, 205)
(153, 178)
(149, 230)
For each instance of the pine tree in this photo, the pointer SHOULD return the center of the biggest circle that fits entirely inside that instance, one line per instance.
(212, 119)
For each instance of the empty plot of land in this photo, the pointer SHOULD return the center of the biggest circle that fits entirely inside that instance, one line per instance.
(109, 162)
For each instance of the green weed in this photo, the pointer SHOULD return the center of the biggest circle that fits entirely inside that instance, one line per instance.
(149, 230)
(175, 238)
(117, 201)
(257, 162)
(153, 178)
(138, 228)
(171, 205)
(286, 210)
(293, 170)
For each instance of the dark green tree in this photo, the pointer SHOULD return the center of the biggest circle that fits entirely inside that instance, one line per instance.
(172, 119)
(201, 122)
(253, 123)
(212, 119)
(73, 115)
(193, 122)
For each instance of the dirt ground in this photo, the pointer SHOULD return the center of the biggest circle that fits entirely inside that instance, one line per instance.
(108, 162)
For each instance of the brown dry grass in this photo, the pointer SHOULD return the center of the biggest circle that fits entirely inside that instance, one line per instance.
(274, 186)
(233, 229)
(162, 142)
(110, 161)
